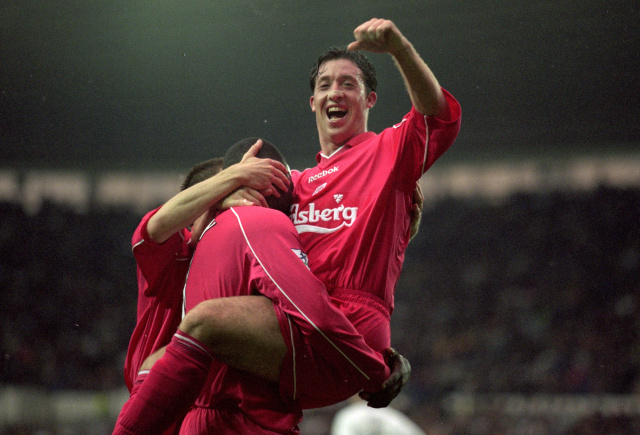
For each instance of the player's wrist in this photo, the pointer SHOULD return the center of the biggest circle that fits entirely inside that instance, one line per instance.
(403, 51)
(235, 176)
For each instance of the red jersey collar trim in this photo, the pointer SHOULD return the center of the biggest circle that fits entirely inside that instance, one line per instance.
(354, 141)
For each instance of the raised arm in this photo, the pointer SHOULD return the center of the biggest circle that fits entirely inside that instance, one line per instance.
(183, 209)
(382, 36)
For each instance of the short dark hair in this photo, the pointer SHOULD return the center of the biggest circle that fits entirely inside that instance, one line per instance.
(267, 151)
(202, 171)
(361, 61)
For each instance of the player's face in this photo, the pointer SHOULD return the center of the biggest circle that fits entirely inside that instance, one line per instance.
(340, 101)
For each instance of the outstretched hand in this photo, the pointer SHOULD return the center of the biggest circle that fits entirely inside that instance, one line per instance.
(377, 36)
(400, 373)
(263, 175)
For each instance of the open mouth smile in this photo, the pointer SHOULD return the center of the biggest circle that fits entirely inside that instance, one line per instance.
(334, 113)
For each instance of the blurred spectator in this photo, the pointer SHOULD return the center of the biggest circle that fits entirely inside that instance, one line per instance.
(359, 419)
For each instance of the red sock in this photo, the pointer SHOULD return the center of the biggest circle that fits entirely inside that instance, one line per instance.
(137, 383)
(169, 390)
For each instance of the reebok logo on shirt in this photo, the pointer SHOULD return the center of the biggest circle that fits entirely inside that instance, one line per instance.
(323, 173)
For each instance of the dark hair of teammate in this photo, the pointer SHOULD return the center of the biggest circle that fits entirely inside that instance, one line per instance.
(202, 171)
(267, 151)
(333, 53)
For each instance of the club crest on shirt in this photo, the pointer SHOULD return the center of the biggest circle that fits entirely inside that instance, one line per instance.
(322, 186)
(302, 256)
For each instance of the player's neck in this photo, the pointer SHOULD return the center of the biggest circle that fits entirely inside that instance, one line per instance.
(328, 149)
(329, 154)
(330, 144)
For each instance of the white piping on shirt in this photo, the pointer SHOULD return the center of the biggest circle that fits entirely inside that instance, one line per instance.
(293, 351)
(293, 303)
(426, 145)
(332, 154)
(184, 289)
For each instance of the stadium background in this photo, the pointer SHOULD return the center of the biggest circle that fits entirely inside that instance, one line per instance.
(518, 306)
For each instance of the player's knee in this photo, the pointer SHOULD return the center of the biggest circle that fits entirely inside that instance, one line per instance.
(199, 322)
(210, 322)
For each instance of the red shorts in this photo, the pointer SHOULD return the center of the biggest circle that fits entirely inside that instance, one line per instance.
(307, 376)
(224, 421)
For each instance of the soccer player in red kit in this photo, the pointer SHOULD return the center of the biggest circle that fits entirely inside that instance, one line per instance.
(162, 264)
(163, 246)
(353, 209)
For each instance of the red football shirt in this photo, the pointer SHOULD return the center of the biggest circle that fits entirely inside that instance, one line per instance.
(353, 210)
(161, 270)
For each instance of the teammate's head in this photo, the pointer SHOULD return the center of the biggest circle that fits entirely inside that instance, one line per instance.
(267, 151)
(202, 171)
(361, 61)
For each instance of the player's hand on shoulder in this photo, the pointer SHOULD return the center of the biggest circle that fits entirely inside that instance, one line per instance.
(400, 373)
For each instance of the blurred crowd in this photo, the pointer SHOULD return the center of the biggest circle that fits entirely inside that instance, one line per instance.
(536, 293)
(68, 296)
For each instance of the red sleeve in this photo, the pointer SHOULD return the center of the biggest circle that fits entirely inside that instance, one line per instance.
(418, 141)
(152, 258)
(280, 272)
(442, 132)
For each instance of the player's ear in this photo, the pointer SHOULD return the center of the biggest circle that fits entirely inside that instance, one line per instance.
(313, 109)
(371, 99)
